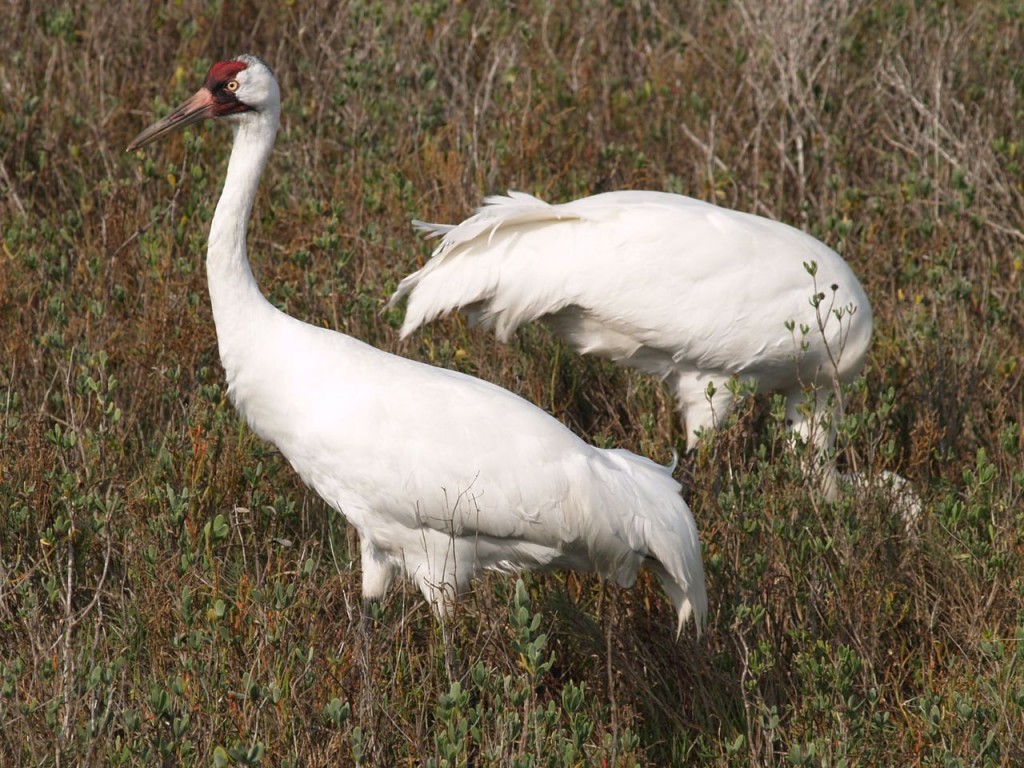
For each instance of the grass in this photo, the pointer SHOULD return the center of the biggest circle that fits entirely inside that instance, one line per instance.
(171, 594)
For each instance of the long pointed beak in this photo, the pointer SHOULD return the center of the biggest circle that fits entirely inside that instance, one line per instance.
(191, 111)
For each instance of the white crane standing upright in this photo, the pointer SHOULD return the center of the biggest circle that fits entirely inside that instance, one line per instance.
(678, 288)
(442, 475)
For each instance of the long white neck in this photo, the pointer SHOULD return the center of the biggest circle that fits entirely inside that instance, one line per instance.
(238, 305)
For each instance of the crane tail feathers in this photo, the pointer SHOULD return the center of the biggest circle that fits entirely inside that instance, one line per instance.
(685, 608)
(679, 568)
(663, 529)
(431, 230)
(475, 266)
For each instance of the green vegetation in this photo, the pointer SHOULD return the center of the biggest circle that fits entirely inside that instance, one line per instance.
(171, 594)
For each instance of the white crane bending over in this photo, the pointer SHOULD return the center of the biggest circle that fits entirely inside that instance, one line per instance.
(682, 289)
(442, 475)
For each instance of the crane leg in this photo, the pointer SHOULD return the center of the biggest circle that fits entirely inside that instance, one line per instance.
(703, 403)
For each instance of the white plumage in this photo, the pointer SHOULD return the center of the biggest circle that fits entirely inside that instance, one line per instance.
(681, 289)
(442, 475)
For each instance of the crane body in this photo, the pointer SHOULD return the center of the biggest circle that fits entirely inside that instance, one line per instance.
(681, 289)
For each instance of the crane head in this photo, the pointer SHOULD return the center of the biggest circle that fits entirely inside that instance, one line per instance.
(232, 88)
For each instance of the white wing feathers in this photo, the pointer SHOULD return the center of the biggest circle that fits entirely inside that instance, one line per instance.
(515, 208)
(493, 288)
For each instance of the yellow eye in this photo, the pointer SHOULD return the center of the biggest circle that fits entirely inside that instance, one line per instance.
(232, 85)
